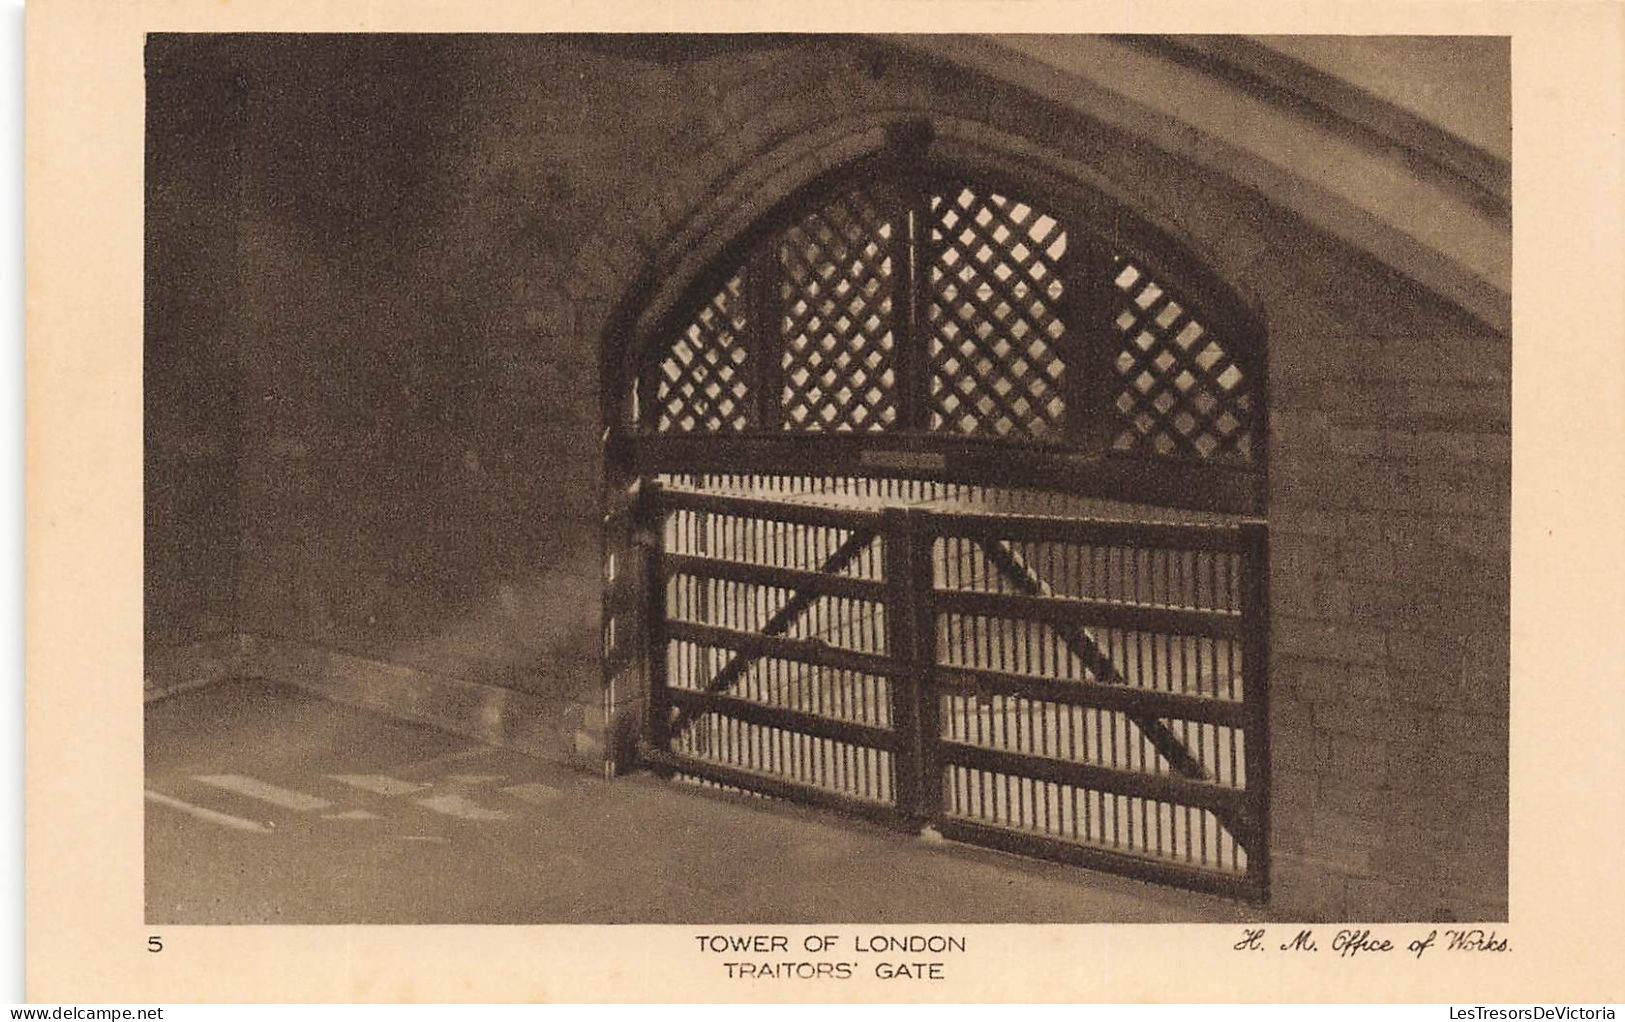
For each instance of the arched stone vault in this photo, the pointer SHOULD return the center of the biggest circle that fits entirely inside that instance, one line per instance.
(1384, 333)
(1114, 140)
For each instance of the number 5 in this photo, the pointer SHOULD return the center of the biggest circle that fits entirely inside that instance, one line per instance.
(155, 944)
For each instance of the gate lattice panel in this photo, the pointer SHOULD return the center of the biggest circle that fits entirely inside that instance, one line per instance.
(701, 383)
(1094, 693)
(837, 298)
(1084, 690)
(776, 663)
(1182, 393)
(942, 308)
(995, 290)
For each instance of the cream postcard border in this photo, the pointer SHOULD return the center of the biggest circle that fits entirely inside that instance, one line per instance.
(86, 940)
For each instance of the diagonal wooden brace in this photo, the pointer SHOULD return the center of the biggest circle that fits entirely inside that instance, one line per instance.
(1162, 738)
(782, 620)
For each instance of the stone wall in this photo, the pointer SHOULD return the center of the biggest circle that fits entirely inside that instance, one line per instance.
(190, 366)
(1389, 522)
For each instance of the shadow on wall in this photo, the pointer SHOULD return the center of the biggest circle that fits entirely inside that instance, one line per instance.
(538, 634)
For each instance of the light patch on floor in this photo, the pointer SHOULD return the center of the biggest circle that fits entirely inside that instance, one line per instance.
(223, 819)
(419, 864)
(351, 814)
(379, 784)
(535, 794)
(284, 797)
(455, 756)
(460, 807)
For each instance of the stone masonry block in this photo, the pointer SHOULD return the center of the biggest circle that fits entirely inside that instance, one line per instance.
(1364, 720)
(1318, 640)
(1355, 794)
(1345, 842)
(1300, 749)
(1322, 682)
(1302, 888)
(1375, 899)
(1358, 755)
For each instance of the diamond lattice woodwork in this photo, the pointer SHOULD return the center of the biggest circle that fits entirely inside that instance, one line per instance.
(1182, 393)
(949, 307)
(837, 288)
(995, 287)
(701, 385)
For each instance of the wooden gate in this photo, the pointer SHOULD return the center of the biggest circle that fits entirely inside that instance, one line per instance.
(1090, 690)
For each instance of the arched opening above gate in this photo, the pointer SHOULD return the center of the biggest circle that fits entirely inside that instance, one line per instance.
(911, 318)
(913, 451)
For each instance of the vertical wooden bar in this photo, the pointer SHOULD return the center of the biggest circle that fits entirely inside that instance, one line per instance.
(1255, 693)
(895, 534)
(1259, 444)
(622, 614)
(908, 143)
(651, 523)
(650, 409)
(910, 638)
(923, 627)
(1091, 342)
(913, 351)
(763, 338)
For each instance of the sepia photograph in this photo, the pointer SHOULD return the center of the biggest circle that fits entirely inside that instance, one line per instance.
(795, 478)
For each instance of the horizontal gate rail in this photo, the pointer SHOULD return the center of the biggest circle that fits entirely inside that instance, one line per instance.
(809, 651)
(1093, 857)
(1090, 531)
(768, 715)
(767, 510)
(766, 784)
(799, 579)
(1078, 641)
(1163, 787)
(1063, 610)
(1096, 695)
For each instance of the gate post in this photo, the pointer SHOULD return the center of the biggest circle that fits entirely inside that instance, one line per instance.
(911, 645)
(1255, 691)
(651, 530)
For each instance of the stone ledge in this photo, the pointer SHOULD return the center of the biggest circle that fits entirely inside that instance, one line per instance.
(172, 669)
(498, 716)
(564, 731)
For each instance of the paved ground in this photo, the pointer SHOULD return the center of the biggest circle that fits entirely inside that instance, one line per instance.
(267, 805)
